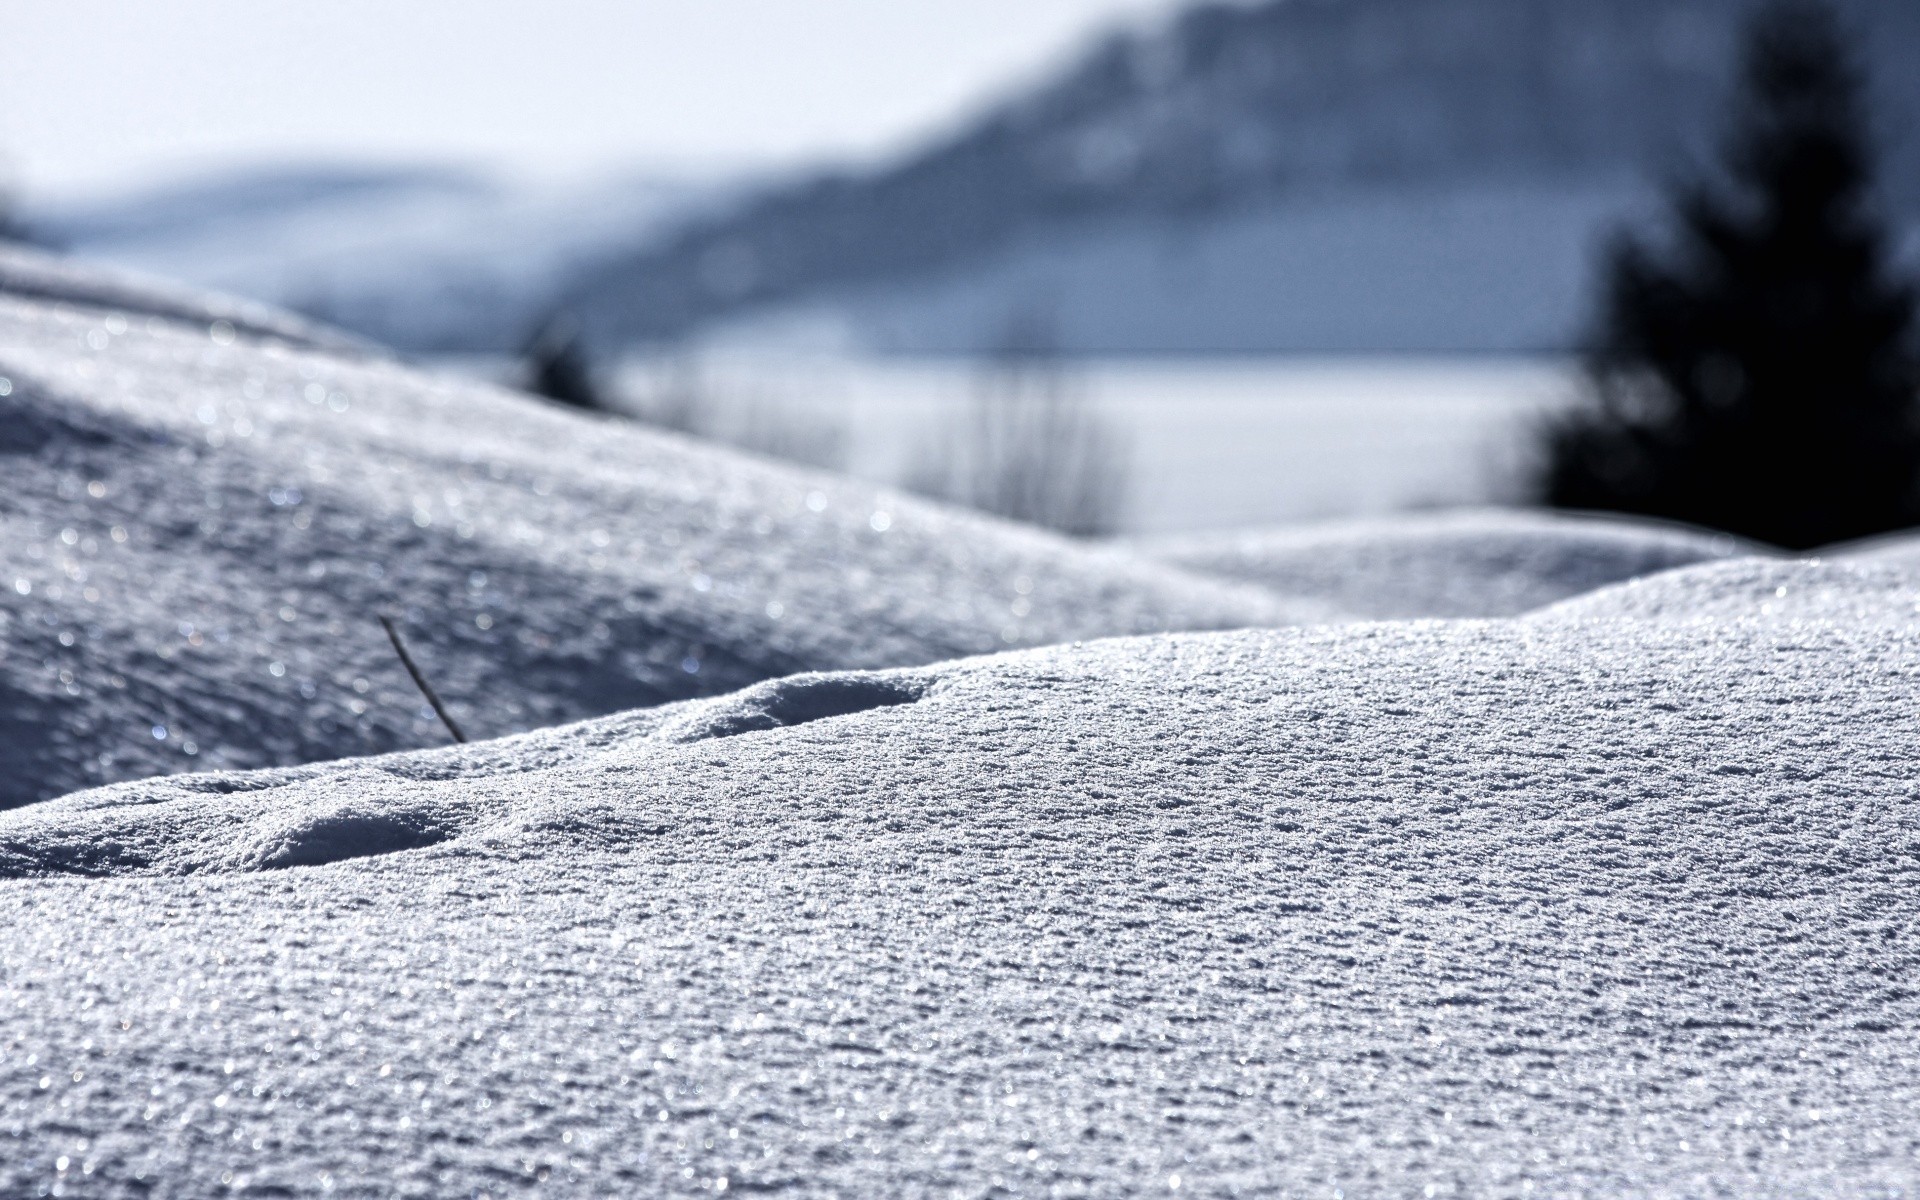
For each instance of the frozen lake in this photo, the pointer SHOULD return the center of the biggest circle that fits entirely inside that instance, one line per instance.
(1212, 443)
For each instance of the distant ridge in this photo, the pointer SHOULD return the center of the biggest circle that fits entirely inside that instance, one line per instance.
(1226, 114)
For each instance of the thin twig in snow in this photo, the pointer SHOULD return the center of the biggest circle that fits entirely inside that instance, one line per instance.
(419, 680)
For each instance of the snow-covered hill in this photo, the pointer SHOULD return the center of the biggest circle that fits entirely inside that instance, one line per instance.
(421, 259)
(1455, 563)
(1615, 899)
(208, 508)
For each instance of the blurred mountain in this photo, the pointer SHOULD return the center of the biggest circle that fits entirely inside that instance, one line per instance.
(1296, 175)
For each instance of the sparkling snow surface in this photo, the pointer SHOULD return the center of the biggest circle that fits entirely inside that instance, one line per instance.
(201, 526)
(1615, 899)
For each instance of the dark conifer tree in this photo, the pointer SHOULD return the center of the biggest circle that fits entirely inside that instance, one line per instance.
(559, 369)
(1761, 377)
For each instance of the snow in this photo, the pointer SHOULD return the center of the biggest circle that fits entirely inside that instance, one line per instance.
(1812, 593)
(204, 525)
(420, 258)
(1899, 549)
(1455, 563)
(31, 274)
(1612, 899)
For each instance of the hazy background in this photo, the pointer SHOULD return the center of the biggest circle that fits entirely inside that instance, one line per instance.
(98, 93)
(1274, 260)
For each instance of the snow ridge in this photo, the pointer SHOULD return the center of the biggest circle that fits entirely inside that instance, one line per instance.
(205, 522)
(1459, 563)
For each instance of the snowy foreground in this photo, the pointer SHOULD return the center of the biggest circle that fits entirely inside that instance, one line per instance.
(1616, 896)
(1615, 899)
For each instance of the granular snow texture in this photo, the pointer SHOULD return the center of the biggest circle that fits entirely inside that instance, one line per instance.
(206, 513)
(1459, 563)
(1621, 898)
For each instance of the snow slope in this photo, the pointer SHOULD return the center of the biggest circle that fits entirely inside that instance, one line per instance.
(28, 274)
(418, 258)
(1614, 899)
(1455, 563)
(208, 509)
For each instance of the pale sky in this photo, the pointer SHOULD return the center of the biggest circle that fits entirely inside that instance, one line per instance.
(101, 92)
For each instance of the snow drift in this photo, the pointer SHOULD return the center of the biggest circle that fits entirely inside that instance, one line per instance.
(422, 258)
(1457, 563)
(1616, 898)
(209, 506)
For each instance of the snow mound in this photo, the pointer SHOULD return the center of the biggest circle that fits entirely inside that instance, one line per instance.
(1859, 594)
(1607, 900)
(1463, 563)
(204, 523)
(424, 259)
(266, 820)
(780, 703)
(1893, 549)
(30, 274)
